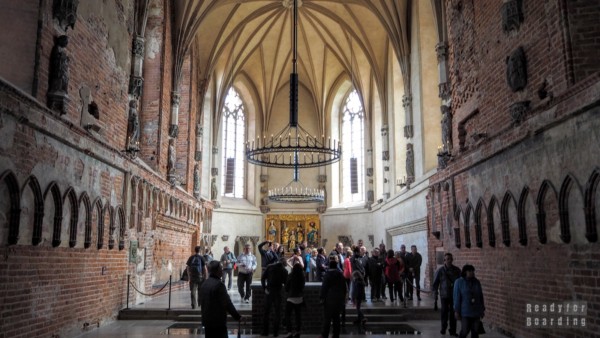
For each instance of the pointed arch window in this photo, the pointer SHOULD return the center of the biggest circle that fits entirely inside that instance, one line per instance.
(234, 133)
(353, 116)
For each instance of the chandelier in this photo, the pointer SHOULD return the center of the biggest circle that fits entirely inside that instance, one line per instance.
(296, 192)
(293, 147)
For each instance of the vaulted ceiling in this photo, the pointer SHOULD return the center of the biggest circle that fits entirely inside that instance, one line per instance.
(337, 40)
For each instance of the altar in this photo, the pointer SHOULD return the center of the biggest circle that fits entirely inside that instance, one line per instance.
(291, 230)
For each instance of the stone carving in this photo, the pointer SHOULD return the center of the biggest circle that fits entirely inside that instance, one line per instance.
(138, 46)
(173, 130)
(410, 163)
(518, 110)
(446, 128)
(59, 75)
(215, 150)
(198, 155)
(372, 240)
(264, 178)
(512, 15)
(133, 127)
(386, 168)
(65, 11)
(384, 131)
(213, 189)
(322, 178)
(346, 240)
(172, 157)
(407, 104)
(370, 196)
(196, 181)
(214, 171)
(444, 90)
(369, 172)
(322, 208)
(441, 50)
(136, 83)
(516, 70)
(385, 155)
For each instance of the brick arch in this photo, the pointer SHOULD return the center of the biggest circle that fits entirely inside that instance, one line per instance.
(122, 226)
(545, 188)
(14, 214)
(591, 189)
(522, 216)
(156, 199)
(505, 216)
(565, 198)
(148, 200)
(458, 216)
(70, 197)
(479, 209)
(54, 190)
(493, 205)
(467, 225)
(38, 208)
(84, 202)
(98, 207)
(111, 227)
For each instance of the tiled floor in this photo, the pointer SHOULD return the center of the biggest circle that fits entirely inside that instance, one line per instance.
(181, 300)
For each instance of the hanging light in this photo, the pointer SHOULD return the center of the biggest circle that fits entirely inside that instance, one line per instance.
(293, 147)
(296, 192)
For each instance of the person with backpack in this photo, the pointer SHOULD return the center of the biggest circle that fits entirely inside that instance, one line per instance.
(197, 272)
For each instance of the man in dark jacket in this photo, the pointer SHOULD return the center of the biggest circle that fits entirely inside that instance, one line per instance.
(196, 268)
(414, 263)
(333, 296)
(216, 303)
(359, 263)
(268, 256)
(375, 273)
(444, 282)
(272, 282)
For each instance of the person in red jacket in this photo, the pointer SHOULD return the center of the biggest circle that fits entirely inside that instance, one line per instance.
(393, 270)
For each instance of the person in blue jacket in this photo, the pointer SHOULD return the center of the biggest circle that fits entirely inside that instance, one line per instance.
(468, 302)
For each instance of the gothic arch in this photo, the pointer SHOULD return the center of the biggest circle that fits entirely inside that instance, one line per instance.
(492, 207)
(505, 216)
(38, 210)
(545, 187)
(70, 197)
(566, 198)
(522, 216)
(14, 212)
(591, 189)
(98, 211)
(479, 209)
(122, 227)
(111, 227)
(57, 203)
(467, 225)
(458, 216)
(84, 202)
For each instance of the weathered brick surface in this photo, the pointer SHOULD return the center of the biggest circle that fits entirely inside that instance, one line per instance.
(506, 174)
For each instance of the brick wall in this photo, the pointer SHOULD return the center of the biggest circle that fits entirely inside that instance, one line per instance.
(507, 176)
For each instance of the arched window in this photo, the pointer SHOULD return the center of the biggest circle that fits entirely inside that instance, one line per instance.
(234, 133)
(353, 116)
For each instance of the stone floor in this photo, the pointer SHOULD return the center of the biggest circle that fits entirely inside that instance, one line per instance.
(181, 300)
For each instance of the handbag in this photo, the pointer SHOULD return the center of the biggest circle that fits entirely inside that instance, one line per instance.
(480, 328)
(184, 275)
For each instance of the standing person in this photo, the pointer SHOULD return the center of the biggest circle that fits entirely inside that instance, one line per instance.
(415, 259)
(375, 272)
(392, 274)
(208, 255)
(403, 255)
(333, 296)
(246, 267)
(296, 258)
(358, 294)
(272, 282)
(359, 263)
(216, 303)
(322, 264)
(227, 260)
(268, 256)
(382, 257)
(339, 252)
(196, 268)
(348, 273)
(468, 302)
(313, 266)
(294, 288)
(444, 280)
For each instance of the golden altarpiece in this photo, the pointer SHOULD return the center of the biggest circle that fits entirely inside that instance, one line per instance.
(293, 229)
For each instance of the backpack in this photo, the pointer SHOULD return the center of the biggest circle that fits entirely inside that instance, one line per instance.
(196, 266)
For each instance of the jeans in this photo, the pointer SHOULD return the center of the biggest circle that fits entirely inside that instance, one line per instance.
(244, 281)
(332, 313)
(469, 324)
(272, 301)
(448, 314)
(289, 307)
(195, 293)
(227, 273)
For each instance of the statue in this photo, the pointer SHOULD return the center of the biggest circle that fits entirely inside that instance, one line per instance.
(284, 234)
(133, 127)
(410, 163)
(196, 180)
(58, 87)
(313, 236)
(292, 240)
(299, 233)
(172, 157)
(213, 189)
(272, 232)
(516, 70)
(446, 128)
